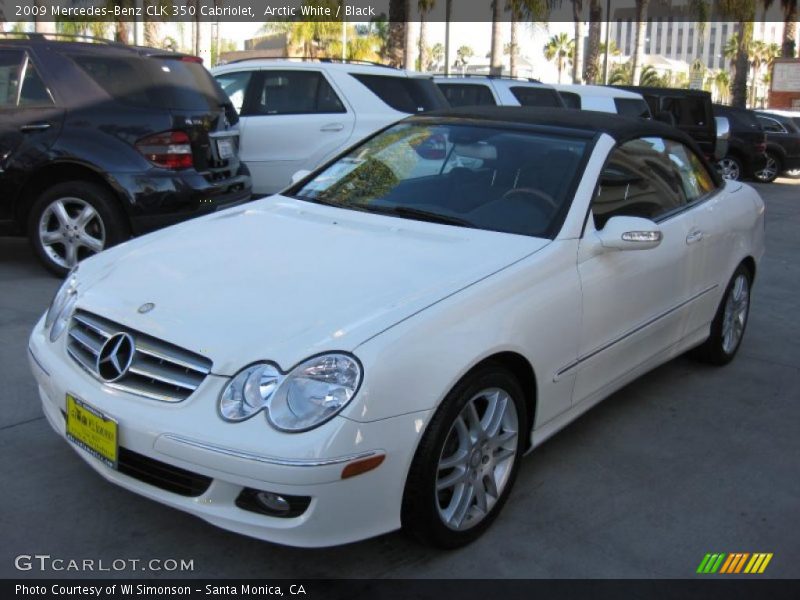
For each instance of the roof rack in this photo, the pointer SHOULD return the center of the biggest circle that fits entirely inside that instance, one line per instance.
(69, 36)
(322, 59)
(487, 76)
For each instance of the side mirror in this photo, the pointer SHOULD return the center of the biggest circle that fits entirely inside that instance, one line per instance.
(301, 174)
(723, 135)
(629, 233)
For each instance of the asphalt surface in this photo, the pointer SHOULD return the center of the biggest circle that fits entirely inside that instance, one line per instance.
(689, 459)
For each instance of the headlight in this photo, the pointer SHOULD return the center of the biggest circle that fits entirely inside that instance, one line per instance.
(62, 306)
(314, 391)
(306, 397)
(248, 392)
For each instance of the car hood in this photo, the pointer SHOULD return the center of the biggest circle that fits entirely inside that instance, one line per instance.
(281, 279)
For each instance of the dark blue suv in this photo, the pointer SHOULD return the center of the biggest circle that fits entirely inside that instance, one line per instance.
(102, 141)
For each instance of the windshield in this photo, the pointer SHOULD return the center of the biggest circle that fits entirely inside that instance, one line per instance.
(464, 175)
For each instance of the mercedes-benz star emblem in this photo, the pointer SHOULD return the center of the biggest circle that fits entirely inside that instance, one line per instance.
(146, 308)
(115, 357)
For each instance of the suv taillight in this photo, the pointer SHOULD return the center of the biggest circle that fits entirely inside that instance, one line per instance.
(169, 149)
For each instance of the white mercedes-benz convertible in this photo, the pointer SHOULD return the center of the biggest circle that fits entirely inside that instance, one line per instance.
(379, 345)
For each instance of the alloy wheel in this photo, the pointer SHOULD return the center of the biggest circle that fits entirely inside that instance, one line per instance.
(729, 169)
(770, 170)
(70, 229)
(477, 459)
(735, 316)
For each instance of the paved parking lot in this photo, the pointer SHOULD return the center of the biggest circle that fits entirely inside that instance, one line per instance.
(688, 460)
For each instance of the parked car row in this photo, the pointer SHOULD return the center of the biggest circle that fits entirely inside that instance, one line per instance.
(102, 141)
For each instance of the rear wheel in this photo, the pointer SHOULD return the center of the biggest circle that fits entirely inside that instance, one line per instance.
(730, 322)
(467, 461)
(72, 221)
(730, 167)
(771, 169)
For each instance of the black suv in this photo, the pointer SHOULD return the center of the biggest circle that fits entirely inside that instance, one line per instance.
(688, 110)
(101, 141)
(783, 144)
(746, 145)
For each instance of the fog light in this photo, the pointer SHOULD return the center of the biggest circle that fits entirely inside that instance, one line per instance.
(273, 502)
(274, 505)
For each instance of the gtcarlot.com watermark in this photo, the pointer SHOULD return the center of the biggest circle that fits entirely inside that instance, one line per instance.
(48, 563)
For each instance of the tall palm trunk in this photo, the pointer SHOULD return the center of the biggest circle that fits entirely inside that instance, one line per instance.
(590, 69)
(577, 60)
(739, 83)
(448, 13)
(638, 53)
(789, 28)
(410, 42)
(514, 46)
(397, 32)
(496, 56)
(423, 42)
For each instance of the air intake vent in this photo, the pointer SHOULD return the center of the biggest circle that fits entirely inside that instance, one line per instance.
(158, 370)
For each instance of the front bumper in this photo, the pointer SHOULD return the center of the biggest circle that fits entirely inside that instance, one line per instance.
(189, 435)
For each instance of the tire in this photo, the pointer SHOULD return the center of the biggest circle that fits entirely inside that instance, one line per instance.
(487, 459)
(719, 349)
(73, 220)
(771, 169)
(730, 168)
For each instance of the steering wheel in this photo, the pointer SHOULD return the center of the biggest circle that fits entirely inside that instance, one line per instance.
(536, 195)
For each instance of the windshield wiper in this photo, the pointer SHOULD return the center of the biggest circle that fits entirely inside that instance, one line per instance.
(419, 215)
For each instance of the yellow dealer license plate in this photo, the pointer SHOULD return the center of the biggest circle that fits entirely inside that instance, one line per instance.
(93, 431)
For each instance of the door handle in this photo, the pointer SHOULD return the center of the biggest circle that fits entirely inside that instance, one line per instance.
(694, 236)
(332, 127)
(40, 126)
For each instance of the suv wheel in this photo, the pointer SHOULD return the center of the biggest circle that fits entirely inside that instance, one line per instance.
(72, 221)
(467, 461)
(730, 167)
(770, 170)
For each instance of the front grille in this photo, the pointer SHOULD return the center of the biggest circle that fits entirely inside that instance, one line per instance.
(161, 475)
(159, 370)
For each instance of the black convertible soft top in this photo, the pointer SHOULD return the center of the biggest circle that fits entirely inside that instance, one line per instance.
(588, 121)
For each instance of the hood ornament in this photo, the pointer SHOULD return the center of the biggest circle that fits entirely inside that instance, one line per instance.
(145, 308)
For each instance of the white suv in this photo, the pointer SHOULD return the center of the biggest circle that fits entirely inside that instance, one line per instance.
(486, 90)
(297, 113)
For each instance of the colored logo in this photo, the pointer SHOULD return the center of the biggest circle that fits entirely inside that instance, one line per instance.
(737, 562)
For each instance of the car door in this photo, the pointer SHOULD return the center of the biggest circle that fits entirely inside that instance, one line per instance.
(30, 122)
(290, 120)
(635, 302)
(708, 244)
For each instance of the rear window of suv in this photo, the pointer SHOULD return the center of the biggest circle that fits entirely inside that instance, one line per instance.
(153, 82)
(467, 94)
(632, 107)
(406, 94)
(531, 96)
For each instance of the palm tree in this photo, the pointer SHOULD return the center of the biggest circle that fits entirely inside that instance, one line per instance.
(463, 54)
(592, 66)
(722, 81)
(577, 18)
(620, 74)
(496, 53)
(435, 57)
(789, 25)
(424, 6)
(744, 13)
(601, 51)
(395, 48)
(758, 56)
(730, 51)
(638, 51)
(650, 77)
(559, 48)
